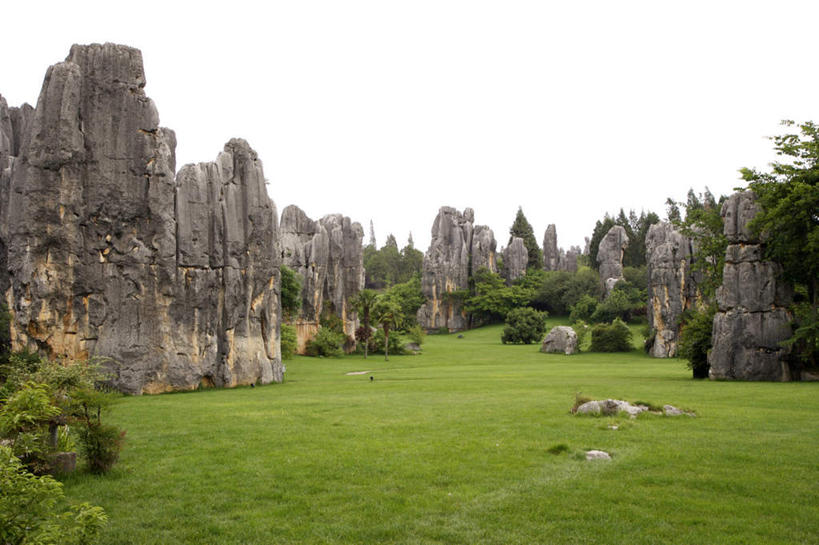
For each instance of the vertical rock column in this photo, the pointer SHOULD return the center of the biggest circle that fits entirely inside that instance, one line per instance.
(671, 285)
(610, 256)
(551, 255)
(753, 318)
(515, 259)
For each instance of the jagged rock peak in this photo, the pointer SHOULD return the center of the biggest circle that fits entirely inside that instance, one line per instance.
(753, 316)
(515, 259)
(551, 255)
(610, 254)
(483, 250)
(672, 285)
(175, 280)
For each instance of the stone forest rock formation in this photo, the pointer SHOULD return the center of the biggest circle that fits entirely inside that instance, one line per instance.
(610, 255)
(753, 318)
(568, 260)
(515, 259)
(328, 254)
(672, 285)
(174, 279)
(456, 251)
(551, 255)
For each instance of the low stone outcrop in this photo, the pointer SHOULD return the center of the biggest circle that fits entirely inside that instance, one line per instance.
(560, 339)
(610, 255)
(672, 285)
(455, 244)
(328, 254)
(753, 318)
(173, 279)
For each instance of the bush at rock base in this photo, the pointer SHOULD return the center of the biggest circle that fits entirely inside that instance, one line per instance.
(524, 326)
(614, 337)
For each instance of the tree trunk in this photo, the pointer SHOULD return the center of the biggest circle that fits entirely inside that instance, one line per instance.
(386, 344)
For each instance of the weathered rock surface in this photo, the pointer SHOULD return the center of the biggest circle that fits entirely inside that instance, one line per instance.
(551, 255)
(515, 259)
(672, 286)
(560, 339)
(174, 280)
(610, 253)
(753, 318)
(597, 455)
(609, 407)
(328, 254)
(455, 244)
(568, 260)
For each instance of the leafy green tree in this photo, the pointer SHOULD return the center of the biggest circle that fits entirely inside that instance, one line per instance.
(702, 222)
(523, 229)
(636, 229)
(695, 339)
(409, 297)
(33, 509)
(524, 325)
(614, 337)
(789, 222)
(289, 341)
(561, 290)
(387, 313)
(491, 299)
(364, 303)
(290, 292)
(389, 266)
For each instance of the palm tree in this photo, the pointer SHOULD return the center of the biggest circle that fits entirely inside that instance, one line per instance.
(387, 313)
(363, 304)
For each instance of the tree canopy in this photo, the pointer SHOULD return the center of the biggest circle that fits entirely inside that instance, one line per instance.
(523, 229)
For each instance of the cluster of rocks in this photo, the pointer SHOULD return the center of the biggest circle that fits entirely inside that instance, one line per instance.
(753, 318)
(457, 250)
(106, 252)
(610, 256)
(557, 259)
(672, 285)
(612, 407)
(328, 254)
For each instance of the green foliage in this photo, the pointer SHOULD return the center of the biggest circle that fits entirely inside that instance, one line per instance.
(614, 337)
(695, 339)
(5, 333)
(703, 224)
(636, 229)
(326, 343)
(289, 341)
(624, 301)
(389, 266)
(33, 510)
(363, 304)
(583, 309)
(387, 313)
(25, 419)
(396, 347)
(290, 292)
(523, 229)
(15, 369)
(581, 329)
(524, 326)
(101, 445)
(416, 334)
(409, 297)
(789, 222)
(561, 290)
(492, 299)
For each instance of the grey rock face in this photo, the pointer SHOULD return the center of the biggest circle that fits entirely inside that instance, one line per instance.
(753, 318)
(515, 259)
(561, 339)
(551, 255)
(483, 249)
(329, 256)
(568, 260)
(610, 253)
(672, 287)
(174, 280)
(446, 267)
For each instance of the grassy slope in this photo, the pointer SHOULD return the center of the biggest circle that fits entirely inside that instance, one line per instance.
(451, 447)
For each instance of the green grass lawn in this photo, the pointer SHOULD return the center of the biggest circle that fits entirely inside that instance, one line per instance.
(452, 446)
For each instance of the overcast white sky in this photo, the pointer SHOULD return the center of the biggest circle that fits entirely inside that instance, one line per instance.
(388, 110)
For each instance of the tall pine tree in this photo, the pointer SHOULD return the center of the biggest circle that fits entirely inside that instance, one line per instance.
(523, 229)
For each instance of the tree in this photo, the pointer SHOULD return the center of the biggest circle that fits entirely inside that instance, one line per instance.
(387, 313)
(290, 291)
(521, 228)
(491, 299)
(409, 297)
(524, 326)
(703, 224)
(364, 303)
(789, 224)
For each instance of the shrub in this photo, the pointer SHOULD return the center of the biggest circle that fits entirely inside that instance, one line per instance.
(25, 419)
(524, 325)
(31, 509)
(621, 303)
(695, 340)
(101, 445)
(583, 309)
(290, 291)
(581, 329)
(364, 337)
(326, 342)
(289, 342)
(614, 337)
(416, 334)
(396, 342)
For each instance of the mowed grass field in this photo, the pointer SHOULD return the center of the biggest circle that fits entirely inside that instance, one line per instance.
(452, 446)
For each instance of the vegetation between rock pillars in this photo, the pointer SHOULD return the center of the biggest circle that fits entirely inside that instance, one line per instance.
(290, 292)
(523, 229)
(613, 337)
(524, 326)
(388, 266)
(387, 313)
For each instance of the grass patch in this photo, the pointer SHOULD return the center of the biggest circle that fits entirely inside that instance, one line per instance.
(454, 447)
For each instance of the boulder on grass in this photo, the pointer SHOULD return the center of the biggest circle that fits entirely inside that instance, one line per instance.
(560, 339)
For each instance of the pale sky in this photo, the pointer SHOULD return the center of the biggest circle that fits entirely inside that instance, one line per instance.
(388, 110)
